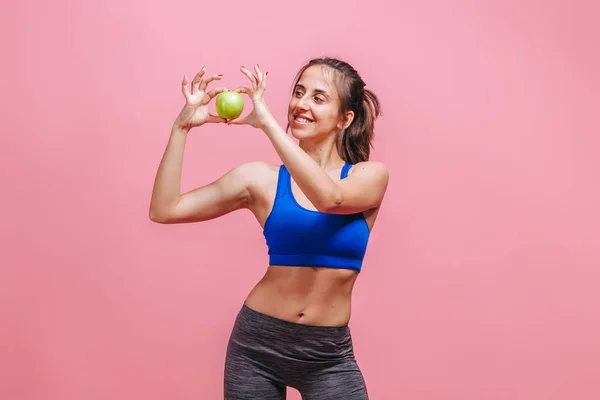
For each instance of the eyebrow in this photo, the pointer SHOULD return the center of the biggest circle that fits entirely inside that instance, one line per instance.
(299, 85)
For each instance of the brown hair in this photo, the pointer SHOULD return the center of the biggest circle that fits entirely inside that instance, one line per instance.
(355, 142)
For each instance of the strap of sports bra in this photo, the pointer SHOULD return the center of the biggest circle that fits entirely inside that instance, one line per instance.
(345, 170)
(283, 181)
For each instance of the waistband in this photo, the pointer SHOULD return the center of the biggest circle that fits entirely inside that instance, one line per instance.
(265, 334)
(275, 322)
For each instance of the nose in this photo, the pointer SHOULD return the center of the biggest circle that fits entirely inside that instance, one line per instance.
(302, 103)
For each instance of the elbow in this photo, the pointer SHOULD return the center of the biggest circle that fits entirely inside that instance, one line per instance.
(330, 203)
(158, 217)
(161, 212)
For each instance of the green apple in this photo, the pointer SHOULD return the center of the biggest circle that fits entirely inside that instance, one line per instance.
(229, 105)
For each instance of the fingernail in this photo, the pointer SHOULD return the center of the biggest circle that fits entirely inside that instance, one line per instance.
(267, 73)
(219, 74)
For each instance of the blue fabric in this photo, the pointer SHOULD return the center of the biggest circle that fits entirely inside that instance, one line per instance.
(297, 236)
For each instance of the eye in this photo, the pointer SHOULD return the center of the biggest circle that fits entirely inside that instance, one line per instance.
(319, 99)
(298, 93)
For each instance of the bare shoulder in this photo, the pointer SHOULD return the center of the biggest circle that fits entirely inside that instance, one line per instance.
(261, 180)
(260, 177)
(258, 172)
(375, 170)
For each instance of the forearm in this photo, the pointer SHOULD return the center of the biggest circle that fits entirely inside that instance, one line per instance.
(167, 183)
(314, 182)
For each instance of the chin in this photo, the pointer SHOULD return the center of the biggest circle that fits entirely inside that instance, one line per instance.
(301, 134)
(307, 135)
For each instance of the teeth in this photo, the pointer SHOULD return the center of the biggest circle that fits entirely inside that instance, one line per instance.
(303, 120)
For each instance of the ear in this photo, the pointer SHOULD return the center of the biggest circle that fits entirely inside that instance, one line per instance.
(348, 118)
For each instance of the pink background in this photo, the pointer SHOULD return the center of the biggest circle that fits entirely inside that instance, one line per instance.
(481, 280)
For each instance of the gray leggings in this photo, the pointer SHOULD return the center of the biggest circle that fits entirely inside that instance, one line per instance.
(266, 354)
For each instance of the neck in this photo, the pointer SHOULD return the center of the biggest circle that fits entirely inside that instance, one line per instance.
(323, 152)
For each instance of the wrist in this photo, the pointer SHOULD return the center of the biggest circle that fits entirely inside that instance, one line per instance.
(182, 122)
(177, 129)
(269, 124)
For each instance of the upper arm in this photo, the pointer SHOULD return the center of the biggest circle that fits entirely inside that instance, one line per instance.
(228, 193)
(362, 190)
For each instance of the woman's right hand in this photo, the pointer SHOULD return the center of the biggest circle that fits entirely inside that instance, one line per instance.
(195, 111)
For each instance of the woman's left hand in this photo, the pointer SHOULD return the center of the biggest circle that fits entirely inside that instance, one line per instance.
(260, 114)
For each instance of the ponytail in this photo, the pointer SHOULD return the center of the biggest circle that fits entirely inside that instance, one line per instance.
(355, 142)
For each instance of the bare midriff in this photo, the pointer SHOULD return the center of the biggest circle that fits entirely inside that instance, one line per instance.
(305, 295)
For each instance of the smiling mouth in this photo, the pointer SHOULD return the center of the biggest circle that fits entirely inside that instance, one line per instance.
(303, 120)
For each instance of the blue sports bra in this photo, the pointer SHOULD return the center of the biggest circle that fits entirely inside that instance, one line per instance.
(297, 236)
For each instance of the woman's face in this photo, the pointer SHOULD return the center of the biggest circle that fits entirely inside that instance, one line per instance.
(314, 109)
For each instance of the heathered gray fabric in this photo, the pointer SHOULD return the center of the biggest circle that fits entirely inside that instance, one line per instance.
(266, 354)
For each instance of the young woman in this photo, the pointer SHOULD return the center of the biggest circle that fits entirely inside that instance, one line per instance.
(317, 210)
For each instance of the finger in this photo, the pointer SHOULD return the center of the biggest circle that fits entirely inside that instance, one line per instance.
(238, 121)
(250, 76)
(259, 74)
(245, 90)
(184, 87)
(198, 79)
(204, 83)
(215, 92)
(263, 83)
(215, 119)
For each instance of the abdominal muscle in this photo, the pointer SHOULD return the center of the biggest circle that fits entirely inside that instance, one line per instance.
(306, 295)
